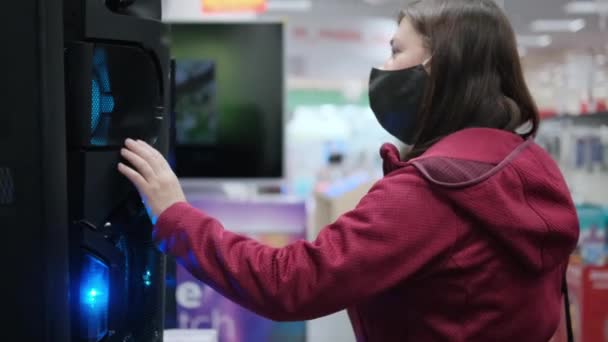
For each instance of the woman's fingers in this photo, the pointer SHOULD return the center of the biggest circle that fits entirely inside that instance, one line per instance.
(140, 164)
(135, 178)
(160, 191)
(142, 152)
(158, 159)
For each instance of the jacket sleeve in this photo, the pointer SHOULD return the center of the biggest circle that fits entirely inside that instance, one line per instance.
(394, 233)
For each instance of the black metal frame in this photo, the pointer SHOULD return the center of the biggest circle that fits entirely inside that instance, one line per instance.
(41, 222)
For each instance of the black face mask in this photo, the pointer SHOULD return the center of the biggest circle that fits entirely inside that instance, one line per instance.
(395, 97)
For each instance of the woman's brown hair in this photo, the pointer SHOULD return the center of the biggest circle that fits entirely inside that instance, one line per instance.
(476, 78)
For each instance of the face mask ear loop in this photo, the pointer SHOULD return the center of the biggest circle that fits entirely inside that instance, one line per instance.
(426, 61)
(425, 64)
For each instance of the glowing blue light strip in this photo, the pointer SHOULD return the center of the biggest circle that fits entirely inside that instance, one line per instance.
(94, 298)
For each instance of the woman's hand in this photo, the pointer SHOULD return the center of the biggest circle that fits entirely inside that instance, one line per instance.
(152, 176)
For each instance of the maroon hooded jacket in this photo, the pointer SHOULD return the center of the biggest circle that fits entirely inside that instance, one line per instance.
(468, 242)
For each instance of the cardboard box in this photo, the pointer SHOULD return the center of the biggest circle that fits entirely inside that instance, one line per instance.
(330, 205)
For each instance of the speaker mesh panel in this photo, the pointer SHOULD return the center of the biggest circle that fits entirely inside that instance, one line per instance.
(7, 186)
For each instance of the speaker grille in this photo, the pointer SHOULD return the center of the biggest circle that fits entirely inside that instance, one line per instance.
(7, 186)
(102, 100)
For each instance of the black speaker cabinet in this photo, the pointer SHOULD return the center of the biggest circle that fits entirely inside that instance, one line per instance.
(116, 87)
(80, 77)
(33, 174)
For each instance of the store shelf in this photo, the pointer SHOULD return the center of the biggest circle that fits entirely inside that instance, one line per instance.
(587, 187)
(585, 119)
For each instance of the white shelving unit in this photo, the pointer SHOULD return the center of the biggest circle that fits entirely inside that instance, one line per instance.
(579, 144)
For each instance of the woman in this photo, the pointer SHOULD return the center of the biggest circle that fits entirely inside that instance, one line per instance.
(465, 239)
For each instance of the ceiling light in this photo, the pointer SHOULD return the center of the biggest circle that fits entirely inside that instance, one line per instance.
(375, 2)
(586, 7)
(535, 41)
(558, 25)
(294, 5)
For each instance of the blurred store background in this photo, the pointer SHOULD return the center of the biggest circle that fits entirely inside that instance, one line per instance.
(308, 62)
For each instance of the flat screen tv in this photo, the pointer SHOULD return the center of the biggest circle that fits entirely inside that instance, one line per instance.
(228, 100)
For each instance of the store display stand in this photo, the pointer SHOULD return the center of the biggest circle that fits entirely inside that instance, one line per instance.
(245, 191)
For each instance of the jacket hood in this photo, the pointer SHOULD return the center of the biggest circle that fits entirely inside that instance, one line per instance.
(508, 186)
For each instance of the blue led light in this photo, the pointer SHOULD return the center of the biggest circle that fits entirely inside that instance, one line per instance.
(107, 103)
(152, 217)
(102, 101)
(94, 298)
(147, 277)
(95, 105)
